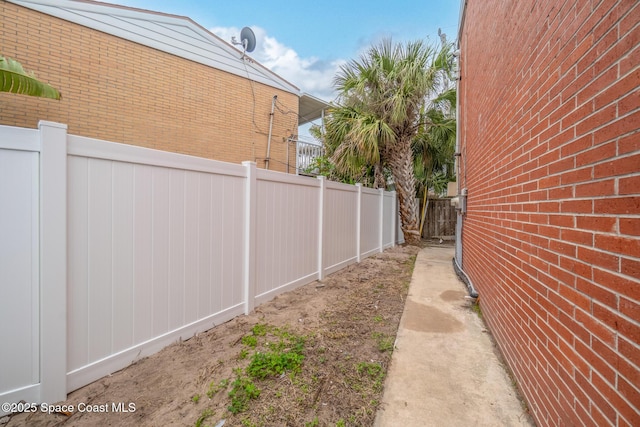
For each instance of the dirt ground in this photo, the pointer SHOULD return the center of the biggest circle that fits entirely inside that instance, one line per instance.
(316, 356)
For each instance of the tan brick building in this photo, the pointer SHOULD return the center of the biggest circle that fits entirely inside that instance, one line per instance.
(149, 79)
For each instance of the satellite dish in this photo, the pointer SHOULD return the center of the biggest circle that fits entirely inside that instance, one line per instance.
(248, 39)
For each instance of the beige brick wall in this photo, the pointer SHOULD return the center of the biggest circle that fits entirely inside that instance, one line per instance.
(121, 91)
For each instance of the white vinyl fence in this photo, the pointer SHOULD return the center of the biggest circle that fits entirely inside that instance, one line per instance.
(109, 252)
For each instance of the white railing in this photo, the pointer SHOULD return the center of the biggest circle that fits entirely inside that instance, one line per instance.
(110, 252)
(306, 154)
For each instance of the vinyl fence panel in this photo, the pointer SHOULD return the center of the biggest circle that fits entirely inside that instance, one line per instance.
(340, 223)
(19, 271)
(286, 232)
(144, 265)
(370, 222)
(388, 237)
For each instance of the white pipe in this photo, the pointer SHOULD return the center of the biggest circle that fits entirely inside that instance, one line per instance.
(273, 106)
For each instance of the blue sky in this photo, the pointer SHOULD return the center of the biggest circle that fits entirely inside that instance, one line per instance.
(305, 42)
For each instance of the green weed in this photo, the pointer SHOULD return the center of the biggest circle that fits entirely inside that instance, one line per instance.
(214, 388)
(269, 364)
(242, 391)
(260, 329)
(384, 342)
(205, 414)
(250, 341)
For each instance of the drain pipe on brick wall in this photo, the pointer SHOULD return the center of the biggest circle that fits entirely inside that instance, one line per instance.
(461, 196)
(465, 279)
(273, 106)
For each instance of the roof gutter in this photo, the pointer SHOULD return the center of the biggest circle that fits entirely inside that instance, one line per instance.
(463, 12)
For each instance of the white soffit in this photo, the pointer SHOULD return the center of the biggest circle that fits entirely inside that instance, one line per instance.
(173, 34)
(311, 108)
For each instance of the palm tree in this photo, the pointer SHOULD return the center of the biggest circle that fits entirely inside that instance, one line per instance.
(13, 78)
(377, 116)
(434, 147)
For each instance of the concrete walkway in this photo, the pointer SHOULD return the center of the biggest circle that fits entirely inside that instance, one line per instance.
(444, 371)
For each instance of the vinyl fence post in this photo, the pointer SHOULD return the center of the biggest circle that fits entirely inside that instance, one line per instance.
(359, 221)
(53, 261)
(249, 258)
(321, 189)
(381, 231)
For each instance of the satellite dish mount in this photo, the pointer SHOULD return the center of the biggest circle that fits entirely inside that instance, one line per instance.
(247, 40)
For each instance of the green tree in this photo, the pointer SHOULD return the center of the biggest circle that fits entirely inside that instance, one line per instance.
(14, 79)
(378, 114)
(433, 148)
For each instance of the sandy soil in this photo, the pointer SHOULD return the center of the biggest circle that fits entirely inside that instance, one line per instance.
(334, 339)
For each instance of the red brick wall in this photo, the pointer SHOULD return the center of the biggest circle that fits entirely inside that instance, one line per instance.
(549, 119)
(121, 91)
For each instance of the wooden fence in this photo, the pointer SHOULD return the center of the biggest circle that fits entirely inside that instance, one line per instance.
(440, 220)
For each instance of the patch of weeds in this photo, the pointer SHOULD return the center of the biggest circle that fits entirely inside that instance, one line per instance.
(247, 423)
(242, 391)
(284, 355)
(250, 341)
(475, 307)
(269, 364)
(373, 372)
(378, 319)
(340, 423)
(260, 329)
(372, 369)
(314, 423)
(195, 398)
(384, 342)
(205, 414)
(214, 388)
(410, 263)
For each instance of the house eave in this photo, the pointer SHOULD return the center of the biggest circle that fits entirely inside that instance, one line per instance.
(311, 108)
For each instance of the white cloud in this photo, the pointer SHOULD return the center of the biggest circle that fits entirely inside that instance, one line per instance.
(311, 75)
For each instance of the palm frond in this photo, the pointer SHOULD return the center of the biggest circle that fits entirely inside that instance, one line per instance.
(14, 79)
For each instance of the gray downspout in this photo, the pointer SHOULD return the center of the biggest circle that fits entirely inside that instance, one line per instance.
(457, 260)
(273, 105)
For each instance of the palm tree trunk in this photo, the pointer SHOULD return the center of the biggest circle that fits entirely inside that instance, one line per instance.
(401, 163)
(379, 179)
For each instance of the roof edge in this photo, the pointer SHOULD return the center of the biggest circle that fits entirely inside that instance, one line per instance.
(173, 34)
